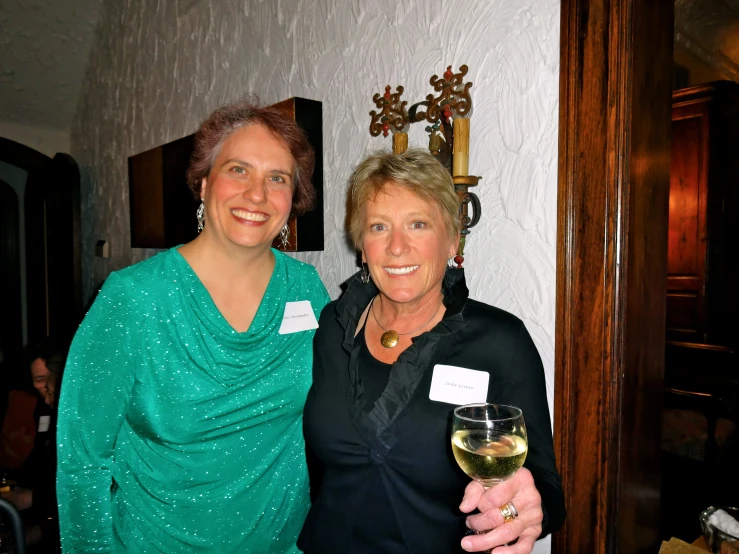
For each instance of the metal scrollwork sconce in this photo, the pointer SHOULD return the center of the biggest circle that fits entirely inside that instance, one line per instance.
(447, 115)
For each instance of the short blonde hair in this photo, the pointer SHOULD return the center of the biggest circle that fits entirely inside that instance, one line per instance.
(418, 171)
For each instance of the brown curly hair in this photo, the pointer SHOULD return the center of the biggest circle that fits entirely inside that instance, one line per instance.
(223, 122)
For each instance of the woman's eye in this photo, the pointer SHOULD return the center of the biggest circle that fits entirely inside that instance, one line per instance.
(277, 179)
(238, 169)
(418, 225)
(377, 227)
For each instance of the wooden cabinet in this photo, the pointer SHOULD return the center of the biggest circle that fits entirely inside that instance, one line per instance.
(703, 237)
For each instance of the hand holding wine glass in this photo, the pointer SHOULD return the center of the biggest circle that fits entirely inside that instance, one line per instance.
(490, 444)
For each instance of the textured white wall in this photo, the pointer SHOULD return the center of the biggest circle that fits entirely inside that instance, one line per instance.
(46, 140)
(158, 68)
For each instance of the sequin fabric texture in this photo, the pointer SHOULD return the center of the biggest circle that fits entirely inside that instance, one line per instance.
(176, 433)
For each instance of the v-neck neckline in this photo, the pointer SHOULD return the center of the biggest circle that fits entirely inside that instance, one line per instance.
(407, 371)
(207, 300)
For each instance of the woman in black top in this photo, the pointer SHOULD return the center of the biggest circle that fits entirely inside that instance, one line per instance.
(387, 357)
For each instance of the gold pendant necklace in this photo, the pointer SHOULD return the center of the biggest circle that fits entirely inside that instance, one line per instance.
(390, 337)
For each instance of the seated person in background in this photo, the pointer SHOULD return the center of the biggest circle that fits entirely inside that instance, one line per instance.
(35, 496)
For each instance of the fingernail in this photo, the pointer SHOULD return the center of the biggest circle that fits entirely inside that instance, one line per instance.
(466, 544)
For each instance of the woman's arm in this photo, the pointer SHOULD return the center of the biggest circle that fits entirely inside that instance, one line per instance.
(97, 386)
(536, 492)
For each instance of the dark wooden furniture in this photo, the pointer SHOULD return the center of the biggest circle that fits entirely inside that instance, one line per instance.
(162, 208)
(703, 243)
(613, 189)
(306, 231)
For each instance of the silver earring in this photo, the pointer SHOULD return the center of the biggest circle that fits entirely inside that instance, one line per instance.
(365, 274)
(285, 236)
(200, 214)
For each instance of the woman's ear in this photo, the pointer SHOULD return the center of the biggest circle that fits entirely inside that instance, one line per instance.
(454, 246)
(203, 186)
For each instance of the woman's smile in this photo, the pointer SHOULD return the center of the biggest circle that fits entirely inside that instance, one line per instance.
(401, 271)
(249, 217)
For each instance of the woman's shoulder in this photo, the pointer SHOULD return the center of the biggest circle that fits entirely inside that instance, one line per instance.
(142, 277)
(476, 312)
(303, 278)
(296, 267)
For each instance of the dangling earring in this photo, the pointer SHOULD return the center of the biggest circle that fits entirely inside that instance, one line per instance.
(200, 214)
(365, 274)
(285, 236)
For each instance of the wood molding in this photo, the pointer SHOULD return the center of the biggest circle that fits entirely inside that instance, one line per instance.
(614, 148)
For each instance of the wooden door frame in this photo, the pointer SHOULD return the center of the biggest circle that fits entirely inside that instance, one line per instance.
(613, 190)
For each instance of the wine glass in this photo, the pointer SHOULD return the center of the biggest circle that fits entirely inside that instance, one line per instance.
(489, 441)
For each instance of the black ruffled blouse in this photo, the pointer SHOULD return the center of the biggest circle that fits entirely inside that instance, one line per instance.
(384, 478)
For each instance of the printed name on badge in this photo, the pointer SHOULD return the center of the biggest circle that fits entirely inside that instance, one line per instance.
(43, 423)
(298, 317)
(459, 385)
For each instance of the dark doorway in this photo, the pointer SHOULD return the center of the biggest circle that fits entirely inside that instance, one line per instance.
(52, 242)
(11, 330)
(53, 260)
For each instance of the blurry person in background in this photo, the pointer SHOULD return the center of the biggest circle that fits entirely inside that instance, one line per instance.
(35, 493)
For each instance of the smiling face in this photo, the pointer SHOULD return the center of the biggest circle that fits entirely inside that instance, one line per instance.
(43, 380)
(406, 245)
(248, 192)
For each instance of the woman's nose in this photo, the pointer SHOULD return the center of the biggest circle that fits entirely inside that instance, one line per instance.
(398, 243)
(256, 190)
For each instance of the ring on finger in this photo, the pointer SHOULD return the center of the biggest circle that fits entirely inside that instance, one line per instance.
(509, 512)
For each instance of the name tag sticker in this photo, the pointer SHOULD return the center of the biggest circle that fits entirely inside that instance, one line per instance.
(298, 317)
(43, 423)
(459, 385)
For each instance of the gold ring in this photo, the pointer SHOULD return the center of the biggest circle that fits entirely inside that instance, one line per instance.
(509, 512)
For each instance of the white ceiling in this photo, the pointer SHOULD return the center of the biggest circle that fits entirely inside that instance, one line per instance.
(44, 46)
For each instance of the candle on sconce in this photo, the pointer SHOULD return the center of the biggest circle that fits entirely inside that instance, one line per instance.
(400, 142)
(461, 151)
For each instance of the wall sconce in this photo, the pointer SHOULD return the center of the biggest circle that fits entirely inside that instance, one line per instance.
(449, 136)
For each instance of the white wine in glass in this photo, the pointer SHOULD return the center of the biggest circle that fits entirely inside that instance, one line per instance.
(489, 441)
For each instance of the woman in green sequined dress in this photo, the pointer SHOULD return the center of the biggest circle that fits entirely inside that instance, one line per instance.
(180, 422)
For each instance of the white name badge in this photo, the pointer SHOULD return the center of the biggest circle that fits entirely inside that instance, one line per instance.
(298, 317)
(459, 385)
(43, 423)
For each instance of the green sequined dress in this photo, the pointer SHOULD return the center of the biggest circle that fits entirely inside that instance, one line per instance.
(176, 433)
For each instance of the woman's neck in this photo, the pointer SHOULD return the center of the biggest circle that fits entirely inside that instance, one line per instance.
(210, 258)
(406, 316)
